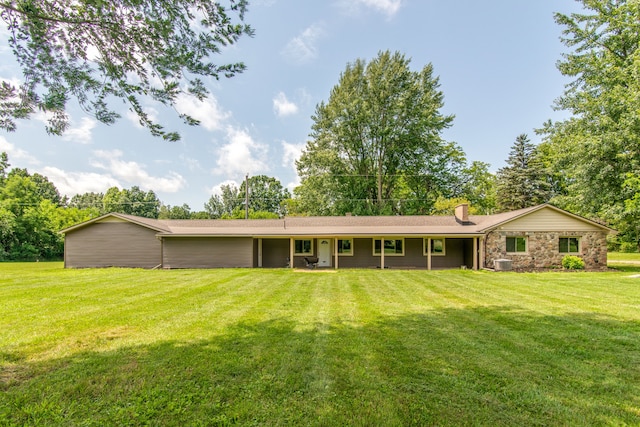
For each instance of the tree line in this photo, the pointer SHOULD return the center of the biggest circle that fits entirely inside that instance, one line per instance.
(32, 210)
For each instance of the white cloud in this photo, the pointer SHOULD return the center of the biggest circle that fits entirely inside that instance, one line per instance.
(82, 133)
(216, 189)
(135, 174)
(387, 7)
(72, 183)
(302, 49)
(211, 116)
(241, 155)
(191, 163)
(283, 107)
(293, 184)
(292, 152)
(16, 153)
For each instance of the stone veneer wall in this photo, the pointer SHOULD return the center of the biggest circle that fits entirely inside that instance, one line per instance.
(542, 249)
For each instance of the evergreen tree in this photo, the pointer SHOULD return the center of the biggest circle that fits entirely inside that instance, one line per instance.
(523, 182)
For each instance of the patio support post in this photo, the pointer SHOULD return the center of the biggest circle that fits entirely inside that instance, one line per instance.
(291, 247)
(481, 252)
(335, 253)
(429, 253)
(259, 252)
(381, 253)
(475, 253)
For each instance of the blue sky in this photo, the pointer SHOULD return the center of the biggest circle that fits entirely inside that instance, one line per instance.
(495, 59)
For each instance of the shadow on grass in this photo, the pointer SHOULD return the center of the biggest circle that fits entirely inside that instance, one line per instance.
(483, 366)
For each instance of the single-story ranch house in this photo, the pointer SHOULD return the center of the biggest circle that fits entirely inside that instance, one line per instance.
(535, 237)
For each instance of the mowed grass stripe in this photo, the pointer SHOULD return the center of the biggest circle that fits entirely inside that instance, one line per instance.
(282, 347)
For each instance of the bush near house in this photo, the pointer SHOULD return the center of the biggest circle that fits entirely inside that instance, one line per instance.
(572, 262)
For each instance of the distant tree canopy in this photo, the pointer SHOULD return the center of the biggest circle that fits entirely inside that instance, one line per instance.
(31, 214)
(132, 201)
(98, 51)
(174, 212)
(377, 142)
(596, 152)
(267, 199)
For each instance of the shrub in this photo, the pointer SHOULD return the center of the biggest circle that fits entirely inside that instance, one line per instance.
(572, 262)
(628, 247)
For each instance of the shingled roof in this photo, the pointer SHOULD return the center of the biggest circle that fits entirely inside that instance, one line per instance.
(330, 225)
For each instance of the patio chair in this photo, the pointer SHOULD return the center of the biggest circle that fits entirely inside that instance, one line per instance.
(312, 261)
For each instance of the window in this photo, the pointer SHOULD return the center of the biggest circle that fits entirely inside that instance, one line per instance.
(392, 247)
(303, 247)
(437, 247)
(569, 245)
(516, 244)
(345, 246)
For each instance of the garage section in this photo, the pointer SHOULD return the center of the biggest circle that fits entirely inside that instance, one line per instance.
(112, 244)
(207, 252)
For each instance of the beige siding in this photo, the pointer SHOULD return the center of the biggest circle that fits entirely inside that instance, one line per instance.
(112, 244)
(548, 219)
(207, 252)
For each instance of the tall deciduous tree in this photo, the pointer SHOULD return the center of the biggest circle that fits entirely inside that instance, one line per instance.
(379, 133)
(132, 201)
(224, 203)
(598, 148)
(523, 182)
(88, 200)
(266, 194)
(95, 50)
(174, 212)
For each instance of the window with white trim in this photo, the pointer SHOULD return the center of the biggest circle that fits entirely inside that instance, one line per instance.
(303, 247)
(392, 247)
(569, 245)
(516, 244)
(345, 247)
(438, 247)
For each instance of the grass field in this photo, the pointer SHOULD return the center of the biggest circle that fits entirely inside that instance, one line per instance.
(353, 347)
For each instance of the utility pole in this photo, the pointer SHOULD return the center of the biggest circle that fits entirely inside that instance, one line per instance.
(246, 196)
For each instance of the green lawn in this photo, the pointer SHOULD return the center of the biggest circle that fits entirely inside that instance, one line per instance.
(353, 347)
(625, 257)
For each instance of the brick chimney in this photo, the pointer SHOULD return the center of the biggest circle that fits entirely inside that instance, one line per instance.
(462, 213)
